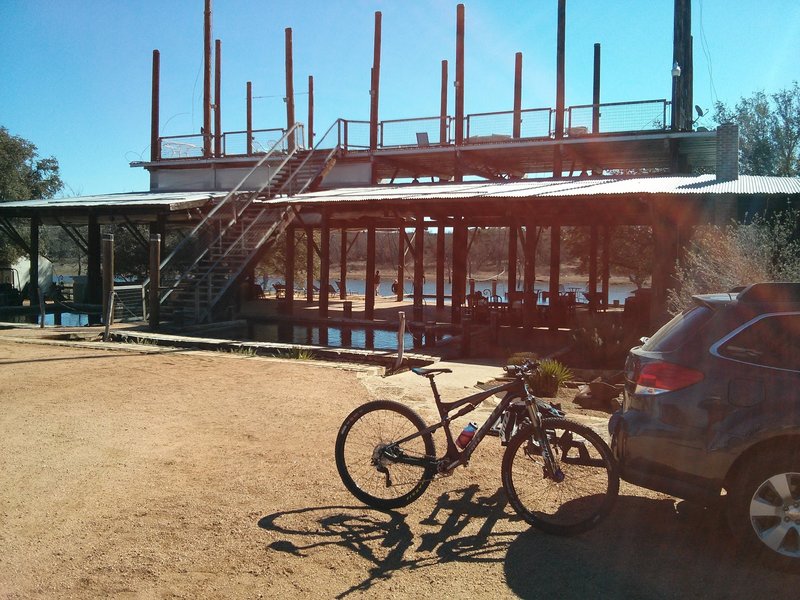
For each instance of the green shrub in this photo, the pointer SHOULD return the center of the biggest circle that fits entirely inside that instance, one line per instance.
(548, 378)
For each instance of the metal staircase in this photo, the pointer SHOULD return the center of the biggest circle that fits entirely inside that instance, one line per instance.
(201, 272)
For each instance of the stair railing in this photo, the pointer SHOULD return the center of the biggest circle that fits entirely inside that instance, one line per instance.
(331, 153)
(297, 131)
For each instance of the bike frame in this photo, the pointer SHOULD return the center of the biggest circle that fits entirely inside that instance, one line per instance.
(454, 457)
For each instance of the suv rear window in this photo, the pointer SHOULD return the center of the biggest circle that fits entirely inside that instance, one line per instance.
(675, 333)
(771, 341)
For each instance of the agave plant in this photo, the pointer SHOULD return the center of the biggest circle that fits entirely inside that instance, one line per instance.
(549, 377)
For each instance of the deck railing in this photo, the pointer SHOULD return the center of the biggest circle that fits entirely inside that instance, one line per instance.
(534, 124)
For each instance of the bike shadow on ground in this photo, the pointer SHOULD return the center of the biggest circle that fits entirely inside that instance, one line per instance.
(647, 548)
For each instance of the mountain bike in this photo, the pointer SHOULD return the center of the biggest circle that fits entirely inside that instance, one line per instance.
(558, 475)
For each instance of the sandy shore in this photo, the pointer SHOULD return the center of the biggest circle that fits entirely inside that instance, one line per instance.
(151, 473)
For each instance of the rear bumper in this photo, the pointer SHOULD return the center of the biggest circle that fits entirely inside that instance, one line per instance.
(629, 435)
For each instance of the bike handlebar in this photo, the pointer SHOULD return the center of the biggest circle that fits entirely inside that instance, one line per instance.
(526, 368)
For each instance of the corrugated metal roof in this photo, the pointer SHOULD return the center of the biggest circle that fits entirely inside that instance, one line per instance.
(132, 199)
(677, 185)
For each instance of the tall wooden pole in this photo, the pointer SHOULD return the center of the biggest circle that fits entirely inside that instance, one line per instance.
(289, 88)
(593, 239)
(606, 263)
(155, 150)
(249, 118)
(559, 124)
(459, 83)
(310, 111)
(374, 91)
(218, 98)
(596, 91)
(94, 280)
(517, 126)
(443, 107)
(460, 234)
(207, 81)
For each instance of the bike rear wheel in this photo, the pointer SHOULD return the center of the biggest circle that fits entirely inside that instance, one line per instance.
(585, 495)
(368, 458)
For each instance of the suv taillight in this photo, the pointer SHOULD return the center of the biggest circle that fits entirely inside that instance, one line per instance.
(660, 377)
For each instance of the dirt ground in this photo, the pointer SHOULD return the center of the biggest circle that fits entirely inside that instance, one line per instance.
(153, 473)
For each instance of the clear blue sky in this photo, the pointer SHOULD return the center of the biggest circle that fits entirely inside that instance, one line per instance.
(75, 74)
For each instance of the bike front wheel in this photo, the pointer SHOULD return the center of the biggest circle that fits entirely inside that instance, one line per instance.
(584, 496)
(374, 467)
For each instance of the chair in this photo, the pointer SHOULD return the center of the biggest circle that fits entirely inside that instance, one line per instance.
(280, 290)
(422, 139)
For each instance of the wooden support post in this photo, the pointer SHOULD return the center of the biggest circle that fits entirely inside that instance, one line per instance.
(369, 278)
(207, 81)
(290, 120)
(154, 296)
(440, 258)
(593, 239)
(374, 91)
(155, 145)
(401, 263)
(559, 121)
(459, 83)
(419, 266)
(443, 107)
(324, 266)
(343, 266)
(217, 98)
(310, 111)
(596, 92)
(108, 274)
(555, 273)
(459, 271)
(606, 263)
(517, 125)
(309, 264)
(249, 118)
(665, 254)
(512, 258)
(288, 270)
(94, 280)
(529, 278)
(33, 287)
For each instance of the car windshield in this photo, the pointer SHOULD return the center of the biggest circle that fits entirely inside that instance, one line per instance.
(675, 333)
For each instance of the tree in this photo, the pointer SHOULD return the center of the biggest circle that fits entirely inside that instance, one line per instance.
(769, 131)
(767, 248)
(23, 176)
(630, 251)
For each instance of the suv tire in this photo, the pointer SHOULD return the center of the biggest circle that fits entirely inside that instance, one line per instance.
(764, 508)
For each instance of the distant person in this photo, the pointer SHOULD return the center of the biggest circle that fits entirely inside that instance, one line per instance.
(377, 281)
(394, 287)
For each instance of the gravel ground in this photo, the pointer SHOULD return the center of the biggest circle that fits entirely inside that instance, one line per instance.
(150, 473)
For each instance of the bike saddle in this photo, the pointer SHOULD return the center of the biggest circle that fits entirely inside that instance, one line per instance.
(429, 372)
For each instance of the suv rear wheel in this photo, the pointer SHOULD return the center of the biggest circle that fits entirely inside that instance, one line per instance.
(764, 509)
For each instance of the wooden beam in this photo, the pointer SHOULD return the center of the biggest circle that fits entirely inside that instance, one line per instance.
(459, 271)
(310, 131)
(593, 240)
(529, 277)
(154, 293)
(517, 124)
(401, 263)
(288, 269)
(217, 98)
(249, 118)
(596, 92)
(443, 107)
(559, 120)
(555, 274)
(207, 80)
(290, 120)
(108, 272)
(33, 289)
(606, 263)
(94, 282)
(309, 264)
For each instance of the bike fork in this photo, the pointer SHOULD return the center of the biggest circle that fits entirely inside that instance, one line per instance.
(551, 467)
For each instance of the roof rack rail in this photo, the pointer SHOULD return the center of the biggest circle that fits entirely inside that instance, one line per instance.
(772, 292)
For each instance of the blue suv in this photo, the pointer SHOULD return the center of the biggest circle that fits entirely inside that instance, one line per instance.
(711, 413)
